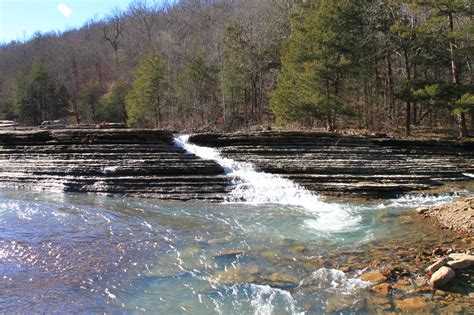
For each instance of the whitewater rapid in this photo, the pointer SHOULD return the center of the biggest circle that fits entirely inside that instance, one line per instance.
(256, 188)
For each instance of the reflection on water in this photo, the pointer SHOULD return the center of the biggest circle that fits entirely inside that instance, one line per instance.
(83, 253)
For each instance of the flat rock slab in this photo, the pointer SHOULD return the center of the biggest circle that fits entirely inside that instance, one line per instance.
(335, 164)
(143, 163)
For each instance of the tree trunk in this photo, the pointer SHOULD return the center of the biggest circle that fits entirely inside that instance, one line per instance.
(75, 92)
(461, 121)
(452, 48)
(461, 116)
(407, 119)
(408, 103)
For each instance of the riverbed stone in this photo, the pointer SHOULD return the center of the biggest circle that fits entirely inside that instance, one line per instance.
(461, 256)
(459, 264)
(279, 280)
(422, 210)
(373, 276)
(378, 305)
(383, 288)
(411, 304)
(403, 282)
(236, 275)
(442, 276)
(403, 288)
(230, 253)
(436, 265)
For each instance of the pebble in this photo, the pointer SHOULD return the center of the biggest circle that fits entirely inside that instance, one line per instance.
(403, 282)
(422, 210)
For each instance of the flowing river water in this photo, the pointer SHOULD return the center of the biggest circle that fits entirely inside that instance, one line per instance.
(271, 248)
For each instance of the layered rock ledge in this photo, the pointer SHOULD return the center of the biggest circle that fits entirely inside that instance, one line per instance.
(333, 164)
(131, 162)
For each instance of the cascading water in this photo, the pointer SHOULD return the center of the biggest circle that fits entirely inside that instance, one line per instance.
(254, 187)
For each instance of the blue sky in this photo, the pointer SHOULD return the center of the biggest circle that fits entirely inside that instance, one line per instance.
(19, 19)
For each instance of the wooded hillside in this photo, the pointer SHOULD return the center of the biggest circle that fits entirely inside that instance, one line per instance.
(375, 65)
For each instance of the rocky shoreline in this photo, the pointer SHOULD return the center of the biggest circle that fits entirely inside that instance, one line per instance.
(458, 216)
(392, 273)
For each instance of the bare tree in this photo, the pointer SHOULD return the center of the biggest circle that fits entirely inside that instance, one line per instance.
(112, 32)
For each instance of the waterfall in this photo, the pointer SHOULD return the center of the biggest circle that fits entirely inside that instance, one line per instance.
(254, 187)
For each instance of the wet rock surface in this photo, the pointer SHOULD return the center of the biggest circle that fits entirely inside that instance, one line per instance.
(334, 164)
(378, 277)
(142, 163)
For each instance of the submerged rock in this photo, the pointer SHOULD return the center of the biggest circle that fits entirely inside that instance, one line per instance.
(230, 253)
(373, 276)
(383, 288)
(236, 275)
(411, 304)
(278, 280)
(442, 277)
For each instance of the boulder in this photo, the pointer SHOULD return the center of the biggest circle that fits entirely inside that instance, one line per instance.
(460, 256)
(459, 264)
(442, 276)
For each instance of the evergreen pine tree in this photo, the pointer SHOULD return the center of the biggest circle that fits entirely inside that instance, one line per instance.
(146, 100)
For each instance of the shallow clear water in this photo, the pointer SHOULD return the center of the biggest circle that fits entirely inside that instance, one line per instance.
(63, 252)
(259, 252)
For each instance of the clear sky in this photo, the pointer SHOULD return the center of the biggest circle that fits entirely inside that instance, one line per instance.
(19, 19)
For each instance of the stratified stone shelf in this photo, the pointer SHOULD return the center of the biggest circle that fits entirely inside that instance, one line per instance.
(131, 162)
(348, 165)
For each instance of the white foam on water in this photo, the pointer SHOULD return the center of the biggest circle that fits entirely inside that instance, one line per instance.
(264, 296)
(333, 280)
(254, 187)
(417, 200)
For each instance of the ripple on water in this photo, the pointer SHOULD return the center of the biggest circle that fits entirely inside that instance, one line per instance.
(83, 253)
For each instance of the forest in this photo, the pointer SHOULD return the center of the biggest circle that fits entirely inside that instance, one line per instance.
(401, 67)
